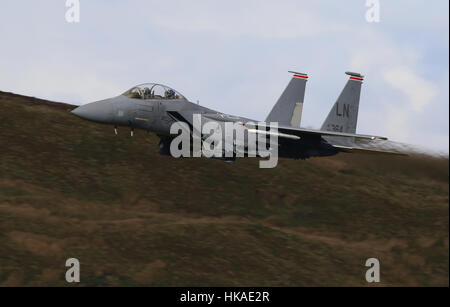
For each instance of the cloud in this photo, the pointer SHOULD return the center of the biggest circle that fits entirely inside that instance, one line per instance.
(400, 94)
(420, 92)
(261, 19)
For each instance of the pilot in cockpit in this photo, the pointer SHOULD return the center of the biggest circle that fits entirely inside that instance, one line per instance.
(170, 94)
(136, 93)
(147, 93)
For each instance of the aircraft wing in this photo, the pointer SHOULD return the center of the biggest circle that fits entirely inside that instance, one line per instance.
(285, 131)
(350, 149)
(282, 131)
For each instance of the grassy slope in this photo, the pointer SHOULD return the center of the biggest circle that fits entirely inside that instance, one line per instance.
(70, 188)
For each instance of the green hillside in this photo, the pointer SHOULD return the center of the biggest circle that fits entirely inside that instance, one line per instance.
(71, 188)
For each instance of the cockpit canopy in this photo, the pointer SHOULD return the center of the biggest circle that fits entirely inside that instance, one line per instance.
(153, 91)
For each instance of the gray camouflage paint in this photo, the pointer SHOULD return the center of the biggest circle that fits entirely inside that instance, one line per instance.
(157, 115)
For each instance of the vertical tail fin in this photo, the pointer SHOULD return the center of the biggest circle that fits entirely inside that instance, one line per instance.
(288, 109)
(343, 116)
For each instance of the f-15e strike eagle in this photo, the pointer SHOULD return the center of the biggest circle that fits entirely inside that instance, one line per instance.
(155, 107)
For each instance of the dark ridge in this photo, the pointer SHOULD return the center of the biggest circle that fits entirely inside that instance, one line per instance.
(35, 101)
(72, 188)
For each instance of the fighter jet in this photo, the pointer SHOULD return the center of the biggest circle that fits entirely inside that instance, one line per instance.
(155, 107)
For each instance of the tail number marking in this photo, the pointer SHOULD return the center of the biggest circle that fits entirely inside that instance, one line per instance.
(345, 110)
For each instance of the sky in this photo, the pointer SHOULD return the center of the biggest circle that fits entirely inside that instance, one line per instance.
(233, 56)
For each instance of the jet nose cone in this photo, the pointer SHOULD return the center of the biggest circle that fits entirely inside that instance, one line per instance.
(78, 111)
(99, 111)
